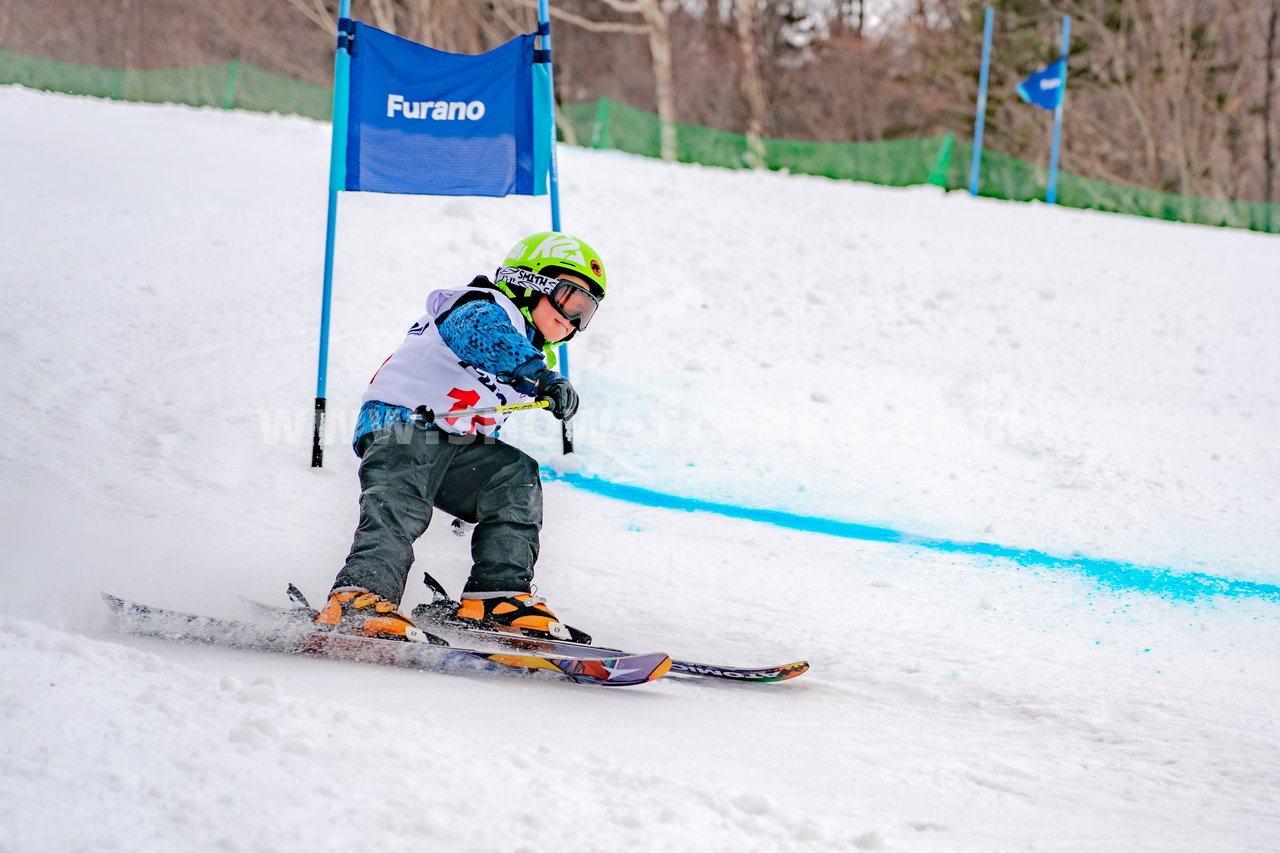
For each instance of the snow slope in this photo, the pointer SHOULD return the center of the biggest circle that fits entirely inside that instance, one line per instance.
(962, 369)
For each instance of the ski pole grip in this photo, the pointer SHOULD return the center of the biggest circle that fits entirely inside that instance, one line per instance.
(423, 415)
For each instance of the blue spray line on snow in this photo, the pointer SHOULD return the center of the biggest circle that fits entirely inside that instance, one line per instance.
(1182, 586)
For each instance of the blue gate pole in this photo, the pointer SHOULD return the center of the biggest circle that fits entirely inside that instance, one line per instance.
(979, 120)
(544, 29)
(337, 180)
(1051, 197)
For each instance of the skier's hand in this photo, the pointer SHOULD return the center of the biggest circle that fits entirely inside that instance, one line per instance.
(557, 391)
(533, 378)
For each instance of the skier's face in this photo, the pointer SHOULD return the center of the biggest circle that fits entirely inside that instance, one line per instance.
(550, 322)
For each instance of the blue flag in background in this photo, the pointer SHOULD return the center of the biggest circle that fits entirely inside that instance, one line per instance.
(423, 121)
(1044, 88)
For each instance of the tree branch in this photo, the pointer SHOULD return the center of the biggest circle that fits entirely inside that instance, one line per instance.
(315, 12)
(587, 23)
(627, 7)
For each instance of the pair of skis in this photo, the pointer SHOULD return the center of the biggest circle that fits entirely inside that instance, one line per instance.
(295, 633)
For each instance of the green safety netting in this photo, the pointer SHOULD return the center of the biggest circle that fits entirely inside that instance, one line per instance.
(229, 85)
(609, 124)
(1010, 178)
(939, 160)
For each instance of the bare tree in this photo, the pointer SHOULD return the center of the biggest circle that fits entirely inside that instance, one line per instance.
(1268, 96)
(658, 28)
(1175, 77)
(751, 82)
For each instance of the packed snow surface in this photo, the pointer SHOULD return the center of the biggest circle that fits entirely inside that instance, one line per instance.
(1043, 379)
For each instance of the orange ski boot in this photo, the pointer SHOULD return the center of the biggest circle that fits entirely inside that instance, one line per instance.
(351, 610)
(526, 612)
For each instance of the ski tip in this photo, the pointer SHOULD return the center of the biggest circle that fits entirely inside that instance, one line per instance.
(296, 596)
(661, 670)
(761, 675)
(792, 670)
(628, 670)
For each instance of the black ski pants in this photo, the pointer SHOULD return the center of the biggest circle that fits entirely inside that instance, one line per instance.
(406, 471)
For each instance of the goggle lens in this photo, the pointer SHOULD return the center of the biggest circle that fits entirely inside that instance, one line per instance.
(576, 304)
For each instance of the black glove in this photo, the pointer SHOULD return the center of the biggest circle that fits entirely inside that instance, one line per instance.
(557, 391)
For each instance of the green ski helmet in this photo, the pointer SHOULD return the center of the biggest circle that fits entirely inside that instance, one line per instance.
(551, 253)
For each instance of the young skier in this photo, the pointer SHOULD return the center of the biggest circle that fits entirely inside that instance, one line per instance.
(483, 345)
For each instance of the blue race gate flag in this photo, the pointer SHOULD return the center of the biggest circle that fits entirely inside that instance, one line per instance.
(427, 122)
(1044, 88)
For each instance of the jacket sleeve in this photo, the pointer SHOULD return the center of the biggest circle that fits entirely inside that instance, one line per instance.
(481, 334)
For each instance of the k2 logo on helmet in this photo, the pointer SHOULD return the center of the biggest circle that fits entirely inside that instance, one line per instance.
(560, 247)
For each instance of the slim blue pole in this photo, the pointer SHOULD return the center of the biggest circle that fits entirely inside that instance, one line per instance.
(337, 180)
(980, 118)
(544, 26)
(1051, 197)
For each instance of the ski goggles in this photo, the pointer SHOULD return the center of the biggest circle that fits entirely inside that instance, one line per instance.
(574, 302)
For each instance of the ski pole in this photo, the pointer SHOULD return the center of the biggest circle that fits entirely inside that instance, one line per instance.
(423, 415)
